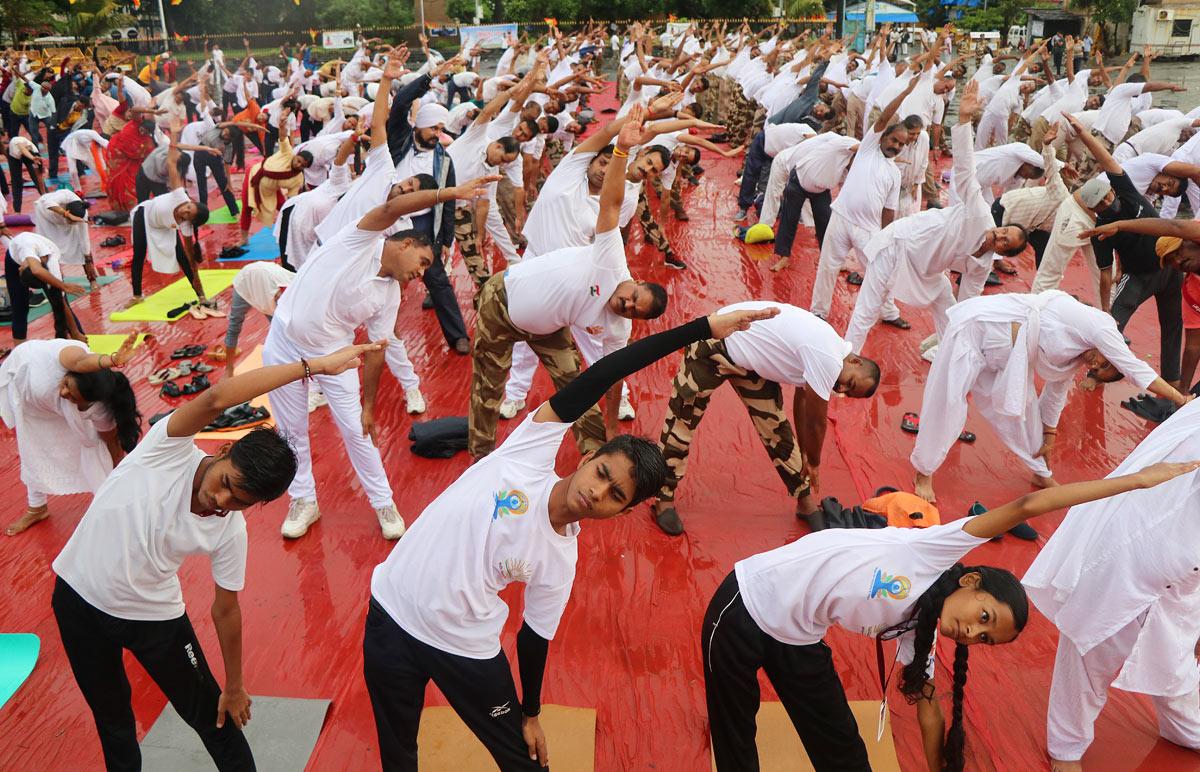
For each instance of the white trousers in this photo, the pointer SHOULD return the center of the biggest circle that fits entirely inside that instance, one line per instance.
(993, 130)
(290, 405)
(1069, 222)
(1079, 690)
(525, 362)
(968, 361)
(36, 498)
(399, 364)
(841, 238)
(878, 279)
(495, 228)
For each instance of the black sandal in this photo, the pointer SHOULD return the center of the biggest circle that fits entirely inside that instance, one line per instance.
(170, 389)
(855, 279)
(198, 384)
(911, 423)
(899, 323)
(188, 351)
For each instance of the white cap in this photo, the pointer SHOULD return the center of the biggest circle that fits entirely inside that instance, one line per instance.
(431, 114)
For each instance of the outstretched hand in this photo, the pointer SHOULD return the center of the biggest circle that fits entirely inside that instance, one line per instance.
(345, 359)
(724, 325)
(1159, 473)
(1101, 232)
(125, 352)
(632, 131)
(969, 105)
(473, 189)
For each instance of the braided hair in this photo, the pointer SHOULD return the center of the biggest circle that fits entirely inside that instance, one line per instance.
(923, 622)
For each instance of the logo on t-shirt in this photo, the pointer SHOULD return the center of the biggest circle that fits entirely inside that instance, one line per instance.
(594, 290)
(516, 570)
(509, 504)
(888, 586)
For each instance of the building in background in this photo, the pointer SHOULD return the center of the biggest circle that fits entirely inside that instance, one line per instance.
(1171, 27)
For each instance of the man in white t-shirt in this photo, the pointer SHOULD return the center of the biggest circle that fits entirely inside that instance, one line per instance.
(795, 348)
(164, 230)
(118, 587)
(352, 281)
(435, 611)
(866, 204)
(540, 299)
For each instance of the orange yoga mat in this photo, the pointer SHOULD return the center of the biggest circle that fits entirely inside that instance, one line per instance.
(445, 743)
(251, 361)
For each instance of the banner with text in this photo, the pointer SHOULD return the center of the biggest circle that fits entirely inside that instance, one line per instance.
(338, 39)
(488, 35)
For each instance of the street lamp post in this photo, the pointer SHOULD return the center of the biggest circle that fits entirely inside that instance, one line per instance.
(162, 20)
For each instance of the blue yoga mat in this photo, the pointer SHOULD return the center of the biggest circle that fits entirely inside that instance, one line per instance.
(261, 246)
(18, 653)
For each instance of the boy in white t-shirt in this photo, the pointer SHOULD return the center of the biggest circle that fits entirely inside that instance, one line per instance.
(435, 611)
(797, 349)
(540, 299)
(117, 585)
(775, 608)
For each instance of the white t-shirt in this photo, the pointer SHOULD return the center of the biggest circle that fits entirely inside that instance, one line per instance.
(337, 290)
(565, 212)
(469, 153)
(862, 580)
(872, 185)
(571, 286)
(821, 162)
(258, 282)
(793, 347)
(29, 244)
(777, 137)
(161, 228)
(1117, 111)
(125, 554)
(20, 146)
(491, 527)
(365, 193)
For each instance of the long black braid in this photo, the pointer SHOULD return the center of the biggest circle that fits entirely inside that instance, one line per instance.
(923, 622)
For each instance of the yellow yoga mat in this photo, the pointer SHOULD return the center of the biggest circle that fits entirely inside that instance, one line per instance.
(779, 747)
(155, 307)
(444, 742)
(251, 361)
(108, 344)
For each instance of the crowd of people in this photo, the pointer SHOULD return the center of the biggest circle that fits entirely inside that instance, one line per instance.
(375, 172)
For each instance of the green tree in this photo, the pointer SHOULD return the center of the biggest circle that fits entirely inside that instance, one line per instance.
(800, 9)
(26, 19)
(90, 19)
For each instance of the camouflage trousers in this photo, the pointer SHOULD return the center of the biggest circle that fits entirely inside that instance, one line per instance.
(491, 359)
(676, 200)
(855, 108)
(726, 88)
(555, 152)
(1088, 165)
(706, 365)
(651, 230)
(1020, 131)
(622, 84)
(468, 244)
(505, 199)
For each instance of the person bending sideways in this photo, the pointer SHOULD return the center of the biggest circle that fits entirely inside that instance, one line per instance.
(774, 610)
(993, 347)
(795, 348)
(435, 610)
(118, 586)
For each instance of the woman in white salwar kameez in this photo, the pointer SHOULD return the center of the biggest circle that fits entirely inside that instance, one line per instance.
(74, 418)
(61, 216)
(1120, 578)
(84, 146)
(992, 348)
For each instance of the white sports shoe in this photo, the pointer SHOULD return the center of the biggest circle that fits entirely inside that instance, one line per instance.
(390, 522)
(316, 399)
(625, 409)
(929, 343)
(510, 407)
(302, 513)
(415, 401)
(929, 354)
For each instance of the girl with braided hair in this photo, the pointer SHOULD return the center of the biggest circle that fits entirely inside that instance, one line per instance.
(908, 584)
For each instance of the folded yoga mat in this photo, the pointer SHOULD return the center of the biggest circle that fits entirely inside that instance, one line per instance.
(444, 742)
(251, 361)
(779, 747)
(37, 312)
(221, 216)
(18, 654)
(282, 734)
(108, 344)
(261, 246)
(155, 307)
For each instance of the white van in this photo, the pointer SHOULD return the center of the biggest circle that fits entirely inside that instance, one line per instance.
(1016, 35)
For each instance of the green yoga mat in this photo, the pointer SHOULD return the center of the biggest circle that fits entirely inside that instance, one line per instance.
(221, 216)
(18, 653)
(38, 312)
(155, 307)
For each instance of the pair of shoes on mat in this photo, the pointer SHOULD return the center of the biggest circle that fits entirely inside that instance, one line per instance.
(184, 368)
(229, 253)
(115, 240)
(911, 422)
(188, 351)
(1156, 409)
(197, 385)
(206, 310)
(243, 416)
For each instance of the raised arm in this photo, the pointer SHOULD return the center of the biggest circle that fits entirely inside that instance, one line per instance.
(1102, 156)
(885, 117)
(379, 113)
(1188, 230)
(998, 520)
(381, 217)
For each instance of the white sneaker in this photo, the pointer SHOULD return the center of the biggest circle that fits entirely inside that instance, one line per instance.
(510, 407)
(390, 522)
(929, 354)
(415, 401)
(625, 409)
(316, 399)
(929, 343)
(302, 513)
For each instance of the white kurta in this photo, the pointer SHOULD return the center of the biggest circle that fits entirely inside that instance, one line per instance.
(60, 445)
(70, 236)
